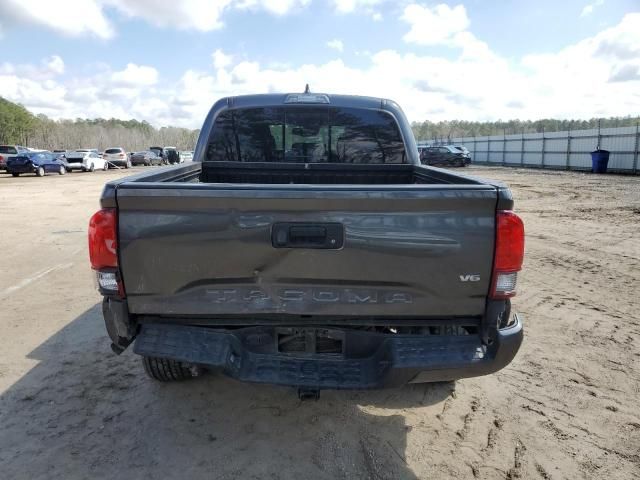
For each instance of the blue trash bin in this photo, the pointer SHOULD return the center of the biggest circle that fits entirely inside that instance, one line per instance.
(599, 161)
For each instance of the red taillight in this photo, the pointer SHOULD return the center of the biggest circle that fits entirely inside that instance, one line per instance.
(103, 239)
(121, 155)
(509, 254)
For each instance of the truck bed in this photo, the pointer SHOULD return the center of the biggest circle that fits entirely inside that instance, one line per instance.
(318, 174)
(299, 174)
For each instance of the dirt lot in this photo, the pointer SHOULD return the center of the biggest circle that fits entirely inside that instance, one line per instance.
(566, 408)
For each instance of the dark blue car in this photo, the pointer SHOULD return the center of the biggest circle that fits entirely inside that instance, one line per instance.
(39, 163)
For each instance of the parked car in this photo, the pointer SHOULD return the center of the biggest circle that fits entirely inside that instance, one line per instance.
(86, 160)
(159, 151)
(186, 156)
(9, 151)
(146, 158)
(171, 154)
(357, 267)
(421, 147)
(462, 149)
(116, 156)
(444, 155)
(39, 163)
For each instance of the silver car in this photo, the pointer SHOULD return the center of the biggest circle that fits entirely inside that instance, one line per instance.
(117, 156)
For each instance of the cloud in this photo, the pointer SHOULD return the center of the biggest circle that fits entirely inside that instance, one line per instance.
(625, 73)
(596, 76)
(425, 86)
(584, 70)
(621, 42)
(336, 44)
(349, 6)
(135, 75)
(55, 65)
(221, 59)
(588, 9)
(442, 25)
(47, 69)
(37, 95)
(438, 25)
(201, 15)
(276, 7)
(515, 104)
(439, 88)
(104, 93)
(69, 17)
(87, 17)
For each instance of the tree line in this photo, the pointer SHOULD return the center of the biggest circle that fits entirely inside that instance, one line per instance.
(21, 127)
(461, 128)
(18, 126)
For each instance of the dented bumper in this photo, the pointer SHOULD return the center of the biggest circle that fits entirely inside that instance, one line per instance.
(364, 360)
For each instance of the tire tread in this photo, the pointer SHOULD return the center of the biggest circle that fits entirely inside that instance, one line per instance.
(165, 370)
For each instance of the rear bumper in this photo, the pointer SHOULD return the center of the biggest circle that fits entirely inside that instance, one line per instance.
(76, 165)
(119, 162)
(369, 360)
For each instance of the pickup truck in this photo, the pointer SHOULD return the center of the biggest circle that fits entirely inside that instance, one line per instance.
(307, 246)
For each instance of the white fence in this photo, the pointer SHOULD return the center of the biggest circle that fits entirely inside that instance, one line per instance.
(561, 150)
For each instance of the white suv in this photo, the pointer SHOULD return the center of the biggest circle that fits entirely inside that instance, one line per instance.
(116, 156)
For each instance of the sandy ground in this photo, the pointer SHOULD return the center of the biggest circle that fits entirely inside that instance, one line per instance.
(567, 407)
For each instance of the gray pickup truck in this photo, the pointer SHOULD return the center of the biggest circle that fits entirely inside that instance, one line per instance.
(307, 246)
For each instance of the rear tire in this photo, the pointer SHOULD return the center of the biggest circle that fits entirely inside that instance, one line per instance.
(105, 167)
(165, 370)
(15, 174)
(40, 172)
(128, 164)
(92, 167)
(62, 170)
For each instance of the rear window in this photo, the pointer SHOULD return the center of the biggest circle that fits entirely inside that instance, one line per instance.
(113, 150)
(306, 135)
(8, 149)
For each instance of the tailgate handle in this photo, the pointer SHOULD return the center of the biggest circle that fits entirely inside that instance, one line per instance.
(307, 235)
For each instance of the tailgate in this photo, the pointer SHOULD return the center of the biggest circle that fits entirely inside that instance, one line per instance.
(211, 250)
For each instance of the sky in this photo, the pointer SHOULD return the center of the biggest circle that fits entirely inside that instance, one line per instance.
(168, 61)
